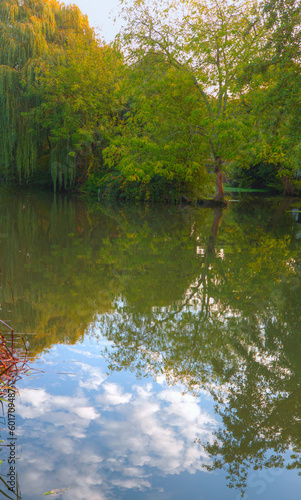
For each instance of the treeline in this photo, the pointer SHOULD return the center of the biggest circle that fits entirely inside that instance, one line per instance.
(189, 93)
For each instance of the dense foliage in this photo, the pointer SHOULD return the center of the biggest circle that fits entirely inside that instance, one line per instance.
(188, 91)
(55, 81)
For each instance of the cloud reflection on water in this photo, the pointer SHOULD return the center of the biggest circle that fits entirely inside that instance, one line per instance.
(98, 436)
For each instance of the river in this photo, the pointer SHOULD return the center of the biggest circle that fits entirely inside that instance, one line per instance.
(155, 351)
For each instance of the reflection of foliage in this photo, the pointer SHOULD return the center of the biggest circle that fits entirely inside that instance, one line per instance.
(237, 335)
(66, 263)
(215, 310)
(261, 416)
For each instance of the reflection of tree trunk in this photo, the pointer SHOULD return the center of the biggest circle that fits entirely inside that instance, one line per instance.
(218, 212)
(219, 180)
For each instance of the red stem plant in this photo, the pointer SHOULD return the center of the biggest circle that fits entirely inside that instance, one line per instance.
(13, 361)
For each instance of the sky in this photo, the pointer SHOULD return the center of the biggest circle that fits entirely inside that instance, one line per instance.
(101, 15)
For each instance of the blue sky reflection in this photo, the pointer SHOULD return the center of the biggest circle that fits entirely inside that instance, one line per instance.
(100, 434)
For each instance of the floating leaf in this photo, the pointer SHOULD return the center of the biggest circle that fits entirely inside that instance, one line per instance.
(57, 491)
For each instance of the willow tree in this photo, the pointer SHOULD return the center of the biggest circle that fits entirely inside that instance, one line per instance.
(24, 29)
(211, 43)
(76, 93)
(37, 38)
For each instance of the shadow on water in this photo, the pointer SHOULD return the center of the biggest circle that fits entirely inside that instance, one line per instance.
(210, 299)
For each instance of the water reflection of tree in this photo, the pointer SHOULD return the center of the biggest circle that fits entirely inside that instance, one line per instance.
(67, 263)
(219, 310)
(235, 333)
(261, 416)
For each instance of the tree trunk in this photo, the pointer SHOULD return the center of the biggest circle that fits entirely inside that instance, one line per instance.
(219, 180)
(289, 189)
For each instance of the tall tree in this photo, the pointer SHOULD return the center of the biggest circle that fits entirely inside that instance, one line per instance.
(75, 92)
(54, 85)
(24, 30)
(210, 43)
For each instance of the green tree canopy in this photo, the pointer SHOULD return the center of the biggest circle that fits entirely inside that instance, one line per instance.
(56, 82)
(209, 45)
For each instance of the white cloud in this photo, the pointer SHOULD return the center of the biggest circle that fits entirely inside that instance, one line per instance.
(87, 413)
(92, 377)
(36, 397)
(136, 434)
(132, 483)
(113, 395)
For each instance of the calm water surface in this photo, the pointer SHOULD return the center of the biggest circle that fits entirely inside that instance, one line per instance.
(163, 350)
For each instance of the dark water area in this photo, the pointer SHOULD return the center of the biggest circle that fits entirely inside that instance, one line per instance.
(156, 350)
